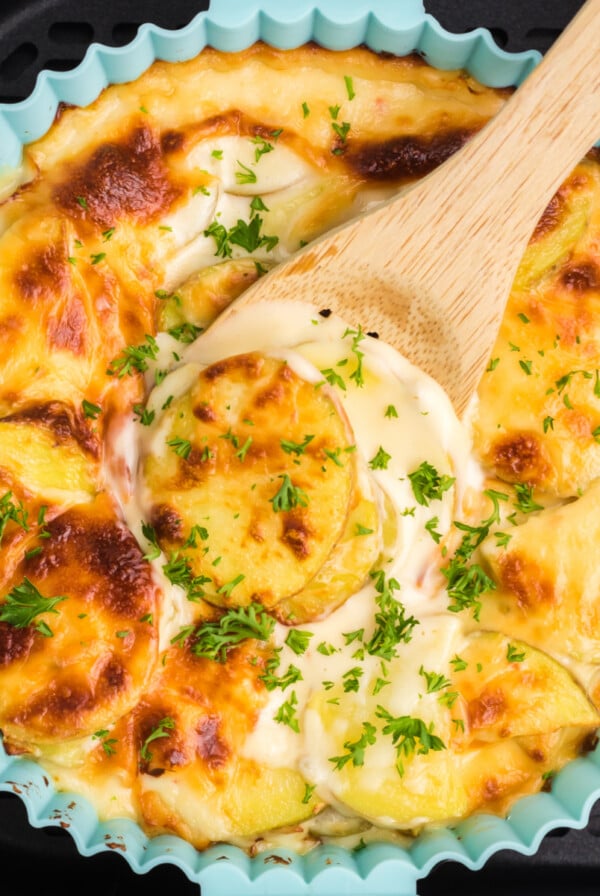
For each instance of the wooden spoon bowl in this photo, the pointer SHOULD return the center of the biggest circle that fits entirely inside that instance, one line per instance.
(431, 269)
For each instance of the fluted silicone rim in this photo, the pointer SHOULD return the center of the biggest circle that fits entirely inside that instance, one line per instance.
(379, 869)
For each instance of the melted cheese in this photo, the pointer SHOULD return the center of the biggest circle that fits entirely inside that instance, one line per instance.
(141, 453)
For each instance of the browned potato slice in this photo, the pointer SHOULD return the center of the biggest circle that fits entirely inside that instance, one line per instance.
(538, 413)
(511, 689)
(347, 567)
(203, 296)
(464, 723)
(184, 747)
(549, 580)
(84, 594)
(264, 463)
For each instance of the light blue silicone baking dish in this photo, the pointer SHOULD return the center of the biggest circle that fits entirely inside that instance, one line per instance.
(399, 27)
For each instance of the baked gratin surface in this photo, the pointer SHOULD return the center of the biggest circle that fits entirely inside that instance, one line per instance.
(266, 588)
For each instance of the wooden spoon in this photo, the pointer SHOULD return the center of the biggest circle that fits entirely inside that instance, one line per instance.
(431, 269)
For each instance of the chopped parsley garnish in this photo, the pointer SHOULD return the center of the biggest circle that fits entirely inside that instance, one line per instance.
(82, 201)
(245, 175)
(11, 511)
(185, 332)
(357, 338)
(355, 750)
(24, 603)
(296, 448)
(108, 743)
(164, 727)
(390, 411)
(409, 735)
(548, 423)
(214, 638)
(246, 234)
(468, 581)
(380, 460)
(286, 714)
(181, 447)
(273, 681)
(431, 527)
(349, 87)
(298, 640)
(429, 485)
(134, 358)
(435, 681)
(91, 411)
(305, 110)
(333, 378)
(525, 502)
(98, 257)
(228, 587)
(514, 655)
(145, 417)
(392, 627)
(178, 570)
(288, 496)
(359, 529)
(262, 147)
(309, 789)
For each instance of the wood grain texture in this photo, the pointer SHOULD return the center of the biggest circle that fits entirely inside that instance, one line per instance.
(430, 270)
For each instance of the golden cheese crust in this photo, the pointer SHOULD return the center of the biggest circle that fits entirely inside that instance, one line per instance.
(538, 417)
(85, 580)
(265, 463)
(138, 220)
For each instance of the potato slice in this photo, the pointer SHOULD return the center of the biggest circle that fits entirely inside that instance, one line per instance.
(465, 723)
(198, 301)
(264, 463)
(347, 567)
(185, 744)
(85, 594)
(511, 689)
(549, 580)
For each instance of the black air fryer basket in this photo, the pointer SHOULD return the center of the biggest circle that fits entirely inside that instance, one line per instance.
(54, 34)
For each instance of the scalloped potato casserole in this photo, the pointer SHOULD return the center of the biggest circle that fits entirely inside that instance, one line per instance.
(260, 585)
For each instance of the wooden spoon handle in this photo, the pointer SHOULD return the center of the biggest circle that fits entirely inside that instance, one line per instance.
(504, 177)
(431, 269)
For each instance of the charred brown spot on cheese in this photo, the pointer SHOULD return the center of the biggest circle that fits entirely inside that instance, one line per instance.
(296, 533)
(492, 789)
(109, 569)
(61, 701)
(126, 179)
(172, 141)
(44, 275)
(61, 109)
(68, 329)
(520, 457)
(204, 412)
(210, 745)
(404, 158)
(10, 326)
(521, 576)
(581, 277)
(113, 678)
(15, 643)
(66, 423)
(166, 523)
(552, 215)
(250, 365)
(486, 709)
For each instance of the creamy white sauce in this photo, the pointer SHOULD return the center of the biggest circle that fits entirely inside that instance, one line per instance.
(425, 429)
